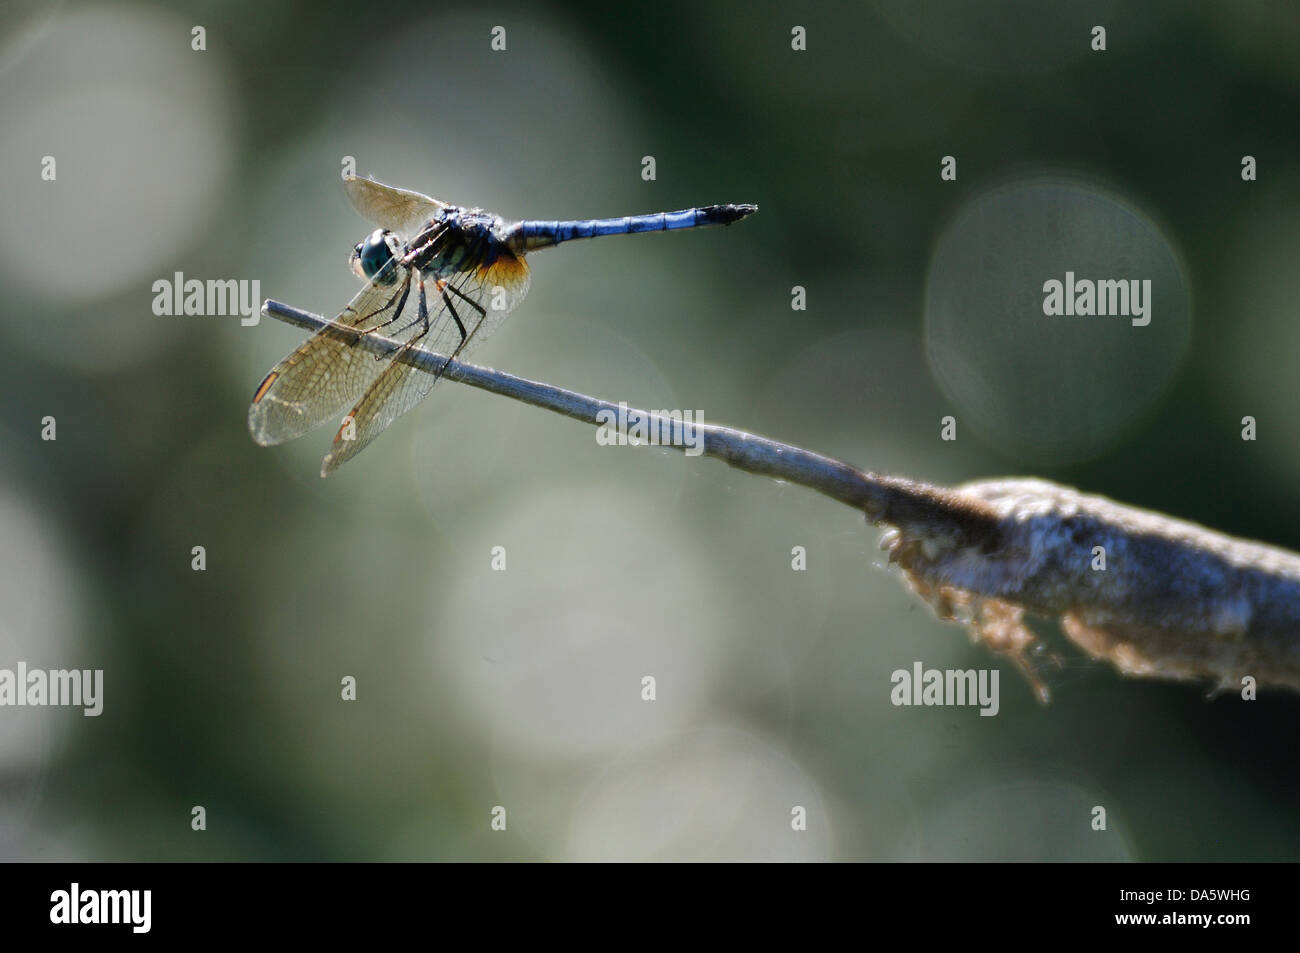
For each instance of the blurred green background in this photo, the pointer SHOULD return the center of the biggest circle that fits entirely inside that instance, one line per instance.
(523, 688)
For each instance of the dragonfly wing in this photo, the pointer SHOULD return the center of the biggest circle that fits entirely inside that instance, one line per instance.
(328, 371)
(481, 299)
(397, 210)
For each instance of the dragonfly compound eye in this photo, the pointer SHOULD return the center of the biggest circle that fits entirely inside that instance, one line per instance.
(371, 256)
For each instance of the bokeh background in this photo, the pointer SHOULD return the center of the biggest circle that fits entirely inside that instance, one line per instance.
(522, 688)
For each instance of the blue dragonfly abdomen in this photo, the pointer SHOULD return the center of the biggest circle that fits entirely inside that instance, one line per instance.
(531, 235)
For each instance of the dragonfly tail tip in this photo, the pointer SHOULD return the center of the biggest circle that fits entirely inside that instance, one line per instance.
(727, 214)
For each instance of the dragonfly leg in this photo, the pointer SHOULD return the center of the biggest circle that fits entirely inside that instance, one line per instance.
(469, 301)
(400, 293)
(482, 313)
(399, 297)
(422, 314)
(460, 325)
(424, 310)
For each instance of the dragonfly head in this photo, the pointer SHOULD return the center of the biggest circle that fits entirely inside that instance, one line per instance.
(373, 257)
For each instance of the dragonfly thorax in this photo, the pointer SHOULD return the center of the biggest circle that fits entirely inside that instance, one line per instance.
(457, 240)
(374, 256)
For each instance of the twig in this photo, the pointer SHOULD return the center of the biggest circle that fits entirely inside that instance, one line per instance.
(1155, 596)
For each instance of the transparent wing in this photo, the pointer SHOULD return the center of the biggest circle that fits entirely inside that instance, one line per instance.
(397, 210)
(328, 371)
(481, 299)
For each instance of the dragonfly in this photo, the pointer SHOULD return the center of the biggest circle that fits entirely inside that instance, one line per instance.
(439, 277)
